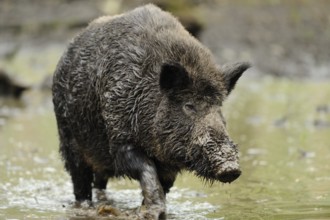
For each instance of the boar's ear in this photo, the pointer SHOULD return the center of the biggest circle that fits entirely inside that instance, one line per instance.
(173, 77)
(232, 72)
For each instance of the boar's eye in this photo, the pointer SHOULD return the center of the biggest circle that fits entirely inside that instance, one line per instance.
(189, 108)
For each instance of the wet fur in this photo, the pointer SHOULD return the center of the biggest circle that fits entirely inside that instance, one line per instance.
(119, 113)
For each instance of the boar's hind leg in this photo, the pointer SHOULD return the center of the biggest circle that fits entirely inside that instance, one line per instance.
(81, 173)
(100, 184)
(100, 181)
(135, 164)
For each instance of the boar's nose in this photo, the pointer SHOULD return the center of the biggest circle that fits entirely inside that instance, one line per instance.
(229, 176)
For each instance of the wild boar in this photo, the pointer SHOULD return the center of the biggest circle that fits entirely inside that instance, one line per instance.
(136, 95)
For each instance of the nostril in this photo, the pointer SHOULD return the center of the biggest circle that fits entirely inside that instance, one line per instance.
(229, 176)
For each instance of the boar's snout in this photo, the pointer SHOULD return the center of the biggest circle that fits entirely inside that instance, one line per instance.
(218, 158)
(229, 176)
(229, 169)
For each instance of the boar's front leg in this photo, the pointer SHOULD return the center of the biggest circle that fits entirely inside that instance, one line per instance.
(135, 164)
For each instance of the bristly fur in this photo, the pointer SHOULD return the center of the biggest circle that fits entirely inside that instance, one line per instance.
(135, 95)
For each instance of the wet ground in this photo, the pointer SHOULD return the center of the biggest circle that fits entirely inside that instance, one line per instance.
(282, 128)
(281, 123)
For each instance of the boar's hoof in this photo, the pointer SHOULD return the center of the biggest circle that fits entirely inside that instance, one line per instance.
(154, 212)
(229, 176)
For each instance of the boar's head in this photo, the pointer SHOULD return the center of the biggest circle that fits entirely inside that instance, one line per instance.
(189, 125)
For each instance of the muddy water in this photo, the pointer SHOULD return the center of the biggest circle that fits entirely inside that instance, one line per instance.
(282, 127)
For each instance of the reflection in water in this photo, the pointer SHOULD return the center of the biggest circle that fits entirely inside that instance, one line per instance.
(285, 158)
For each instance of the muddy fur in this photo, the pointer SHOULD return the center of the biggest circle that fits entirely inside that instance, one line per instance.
(136, 95)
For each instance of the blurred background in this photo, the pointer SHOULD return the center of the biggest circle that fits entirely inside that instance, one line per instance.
(279, 113)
